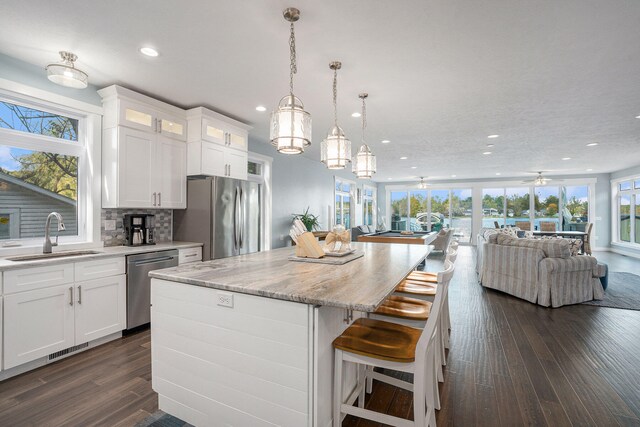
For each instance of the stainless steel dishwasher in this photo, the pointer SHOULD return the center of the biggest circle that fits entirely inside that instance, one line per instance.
(139, 283)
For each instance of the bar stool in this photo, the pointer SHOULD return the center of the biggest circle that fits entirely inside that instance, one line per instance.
(376, 343)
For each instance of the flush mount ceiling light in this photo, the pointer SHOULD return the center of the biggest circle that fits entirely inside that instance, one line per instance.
(149, 51)
(290, 124)
(364, 163)
(336, 148)
(423, 185)
(65, 73)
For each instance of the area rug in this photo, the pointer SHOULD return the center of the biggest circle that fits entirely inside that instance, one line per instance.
(623, 292)
(162, 419)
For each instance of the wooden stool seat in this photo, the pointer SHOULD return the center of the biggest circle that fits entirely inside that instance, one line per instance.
(417, 288)
(423, 276)
(405, 308)
(380, 340)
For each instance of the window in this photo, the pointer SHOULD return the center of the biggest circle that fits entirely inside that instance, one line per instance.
(41, 159)
(575, 208)
(492, 207)
(432, 210)
(627, 204)
(547, 206)
(343, 203)
(369, 205)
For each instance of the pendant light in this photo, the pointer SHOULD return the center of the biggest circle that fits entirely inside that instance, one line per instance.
(65, 73)
(364, 163)
(290, 124)
(336, 148)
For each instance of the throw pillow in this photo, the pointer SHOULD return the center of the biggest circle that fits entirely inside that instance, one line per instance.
(574, 246)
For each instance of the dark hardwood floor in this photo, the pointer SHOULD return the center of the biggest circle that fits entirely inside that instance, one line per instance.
(511, 363)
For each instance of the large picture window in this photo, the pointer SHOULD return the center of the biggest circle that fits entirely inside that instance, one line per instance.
(41, 155)
(432, 210)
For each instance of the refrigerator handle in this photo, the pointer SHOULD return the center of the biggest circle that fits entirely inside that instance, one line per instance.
(242, 214)
(236, 220)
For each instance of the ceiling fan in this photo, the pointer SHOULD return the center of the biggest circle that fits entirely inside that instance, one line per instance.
(540, 180)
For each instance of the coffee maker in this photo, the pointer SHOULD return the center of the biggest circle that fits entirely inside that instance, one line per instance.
(139, 229)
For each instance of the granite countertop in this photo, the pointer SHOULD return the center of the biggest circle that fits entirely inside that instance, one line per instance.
(359, 285)
(103, 252)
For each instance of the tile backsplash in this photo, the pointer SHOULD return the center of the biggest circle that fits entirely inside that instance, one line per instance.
(163, 220)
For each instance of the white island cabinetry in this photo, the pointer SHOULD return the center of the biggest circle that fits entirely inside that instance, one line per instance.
(247, 340)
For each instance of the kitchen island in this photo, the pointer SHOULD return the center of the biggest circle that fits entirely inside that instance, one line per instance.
(247, 340)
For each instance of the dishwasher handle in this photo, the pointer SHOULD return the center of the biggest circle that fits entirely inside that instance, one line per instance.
(153, 260)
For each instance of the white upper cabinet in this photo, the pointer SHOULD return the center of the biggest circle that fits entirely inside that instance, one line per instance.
(217, 145)
(144, 158)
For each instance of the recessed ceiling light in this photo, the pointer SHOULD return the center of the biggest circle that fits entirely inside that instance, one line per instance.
(491, 145)
(497, 173)
(493, 136)
(486, 152)
(149, 51)
(566, 158)
(385, 141)
(592, 144)
(403, 158)
(414, 167)
(356, 114)
(637, 117)
(389, 179)
(453, 176)
(589, 170)
(261, 108)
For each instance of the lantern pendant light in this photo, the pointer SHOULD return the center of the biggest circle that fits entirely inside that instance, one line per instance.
(364, 162)
(336, 148)
(65, 73)
(290, 124)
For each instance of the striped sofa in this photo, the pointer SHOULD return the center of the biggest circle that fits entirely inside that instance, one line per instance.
(540, 271)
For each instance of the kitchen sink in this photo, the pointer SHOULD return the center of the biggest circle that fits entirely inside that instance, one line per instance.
(53, 255)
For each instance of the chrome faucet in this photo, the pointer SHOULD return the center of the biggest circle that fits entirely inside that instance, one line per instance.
(46, 248)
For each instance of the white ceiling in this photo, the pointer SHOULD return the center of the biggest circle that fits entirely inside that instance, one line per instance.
(548, 77)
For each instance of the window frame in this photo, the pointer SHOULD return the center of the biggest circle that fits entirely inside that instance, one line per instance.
(374, 203)
(86, 148)
(352, 201)
(616, 196)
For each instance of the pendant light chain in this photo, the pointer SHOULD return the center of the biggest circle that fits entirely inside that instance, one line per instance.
(364, 118)
(292, 53)
(335, 96)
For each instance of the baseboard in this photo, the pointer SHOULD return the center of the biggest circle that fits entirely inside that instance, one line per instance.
(624, 252)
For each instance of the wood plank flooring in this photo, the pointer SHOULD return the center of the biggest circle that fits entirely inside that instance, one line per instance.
(511, 363)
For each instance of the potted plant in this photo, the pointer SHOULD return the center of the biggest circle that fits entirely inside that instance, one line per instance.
(309, 220)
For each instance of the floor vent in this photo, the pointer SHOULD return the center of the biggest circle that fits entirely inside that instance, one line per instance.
(66, 351)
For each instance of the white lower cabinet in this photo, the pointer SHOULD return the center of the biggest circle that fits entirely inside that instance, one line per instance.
(45, 319)
(100, 308)
(37, 323)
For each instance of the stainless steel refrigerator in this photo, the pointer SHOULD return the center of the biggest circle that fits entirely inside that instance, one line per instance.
(223, 214)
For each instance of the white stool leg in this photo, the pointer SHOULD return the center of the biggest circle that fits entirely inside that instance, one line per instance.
(369, 379)
(362, 377)
(419, 396)
(337, 389)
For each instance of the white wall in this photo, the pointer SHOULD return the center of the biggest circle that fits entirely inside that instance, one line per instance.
(298, 182)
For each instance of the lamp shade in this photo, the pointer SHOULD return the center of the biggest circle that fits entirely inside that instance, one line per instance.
(364, 162)
(65, 73)
(335, 149)
(290, 126)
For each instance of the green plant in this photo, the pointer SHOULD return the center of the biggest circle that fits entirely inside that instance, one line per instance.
(309, 220)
